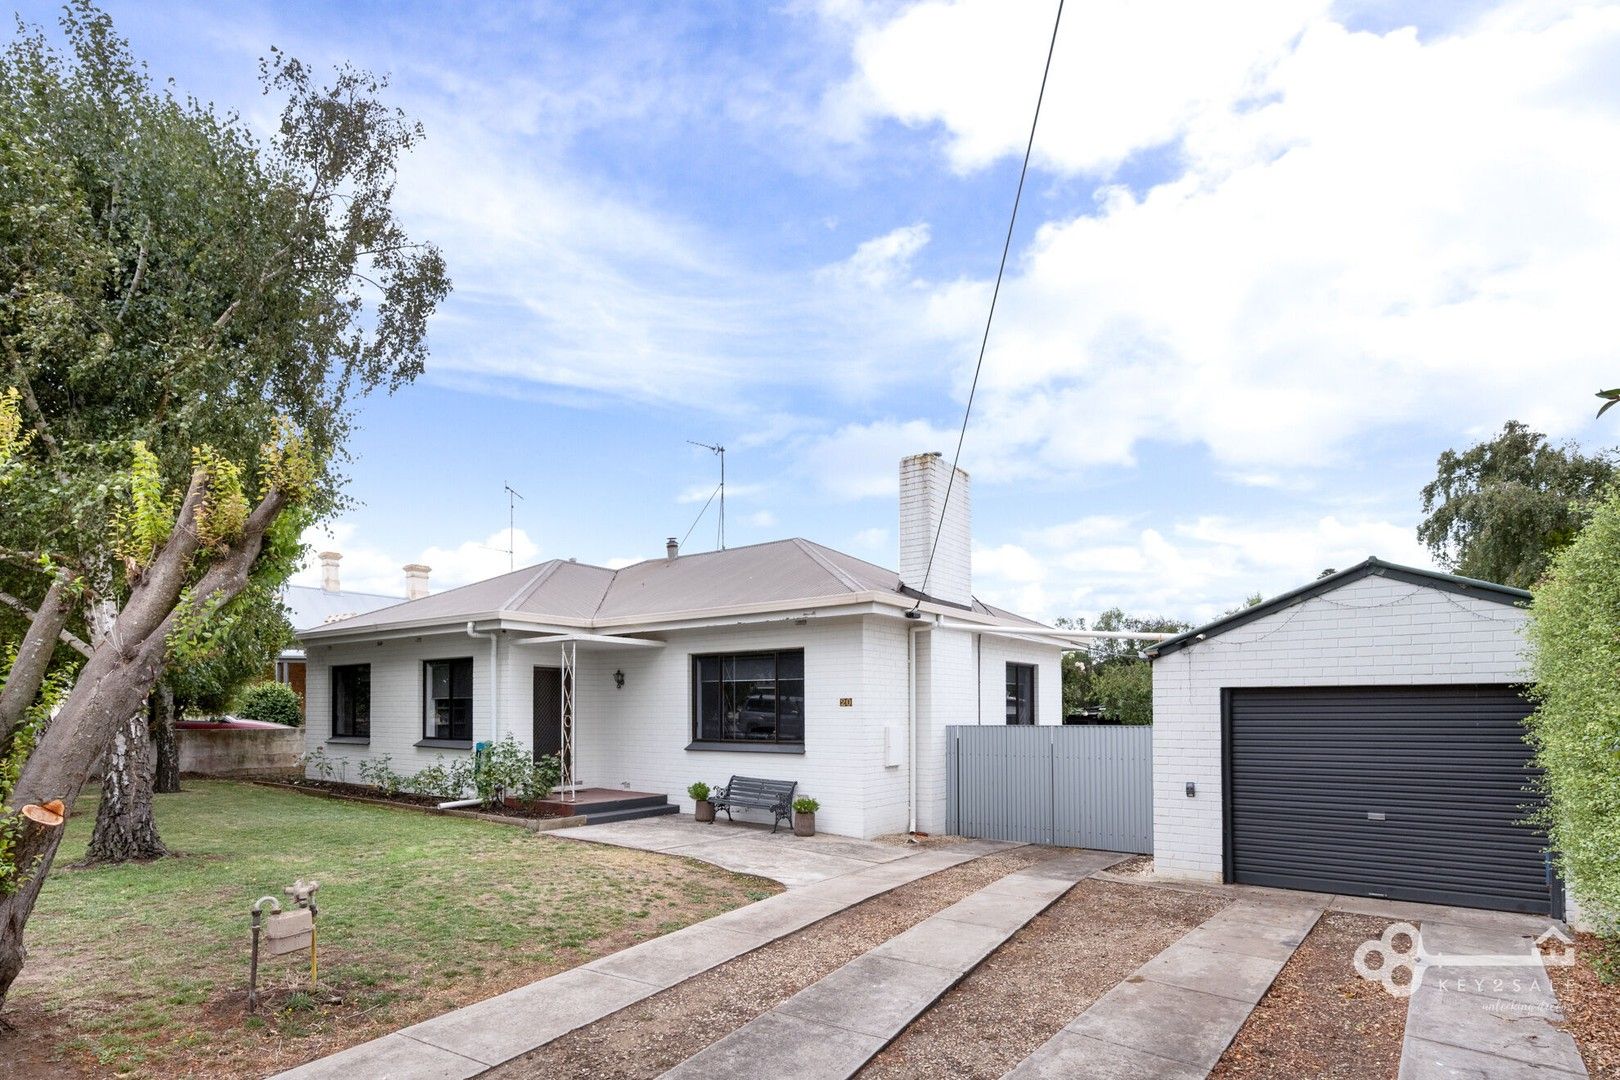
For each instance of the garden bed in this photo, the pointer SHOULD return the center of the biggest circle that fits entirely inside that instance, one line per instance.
(1591, 1008)
(652, 1036)
(518, 814)
(1320, 1018)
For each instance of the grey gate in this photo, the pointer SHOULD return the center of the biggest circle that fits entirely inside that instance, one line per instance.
(1073, 786)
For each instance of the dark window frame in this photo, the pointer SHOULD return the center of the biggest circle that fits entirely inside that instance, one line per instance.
(430, 728)
(776, 743)
(1022, 713)
(351, 726)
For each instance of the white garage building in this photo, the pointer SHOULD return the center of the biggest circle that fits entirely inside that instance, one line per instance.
(1362, 735)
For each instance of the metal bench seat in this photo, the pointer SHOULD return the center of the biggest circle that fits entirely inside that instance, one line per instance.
(757, 793)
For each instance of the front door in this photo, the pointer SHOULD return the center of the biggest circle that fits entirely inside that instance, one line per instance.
(547, 711)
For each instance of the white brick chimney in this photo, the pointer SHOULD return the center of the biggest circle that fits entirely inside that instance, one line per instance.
(416, 580)
(329, 571)
(923, 480)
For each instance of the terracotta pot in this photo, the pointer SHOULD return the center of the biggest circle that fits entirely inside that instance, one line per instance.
(804, 824)
(705, 810)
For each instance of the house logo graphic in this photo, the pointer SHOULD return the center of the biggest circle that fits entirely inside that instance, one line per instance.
(1400, 948)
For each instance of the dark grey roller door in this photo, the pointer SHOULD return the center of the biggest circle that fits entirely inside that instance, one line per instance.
(1410, 793)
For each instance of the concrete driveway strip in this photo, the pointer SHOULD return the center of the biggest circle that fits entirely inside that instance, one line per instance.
(467, 1041)
(1176, 1015)
(1496, 1021)
(833, 1027)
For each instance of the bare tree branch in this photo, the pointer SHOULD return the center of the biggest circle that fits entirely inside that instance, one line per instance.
(33, 661)
(68, 637)
(135, 283)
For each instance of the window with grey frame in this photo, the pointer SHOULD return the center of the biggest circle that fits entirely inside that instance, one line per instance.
(448, 700)
(752, 698)
(351, 701)
(1020, 693)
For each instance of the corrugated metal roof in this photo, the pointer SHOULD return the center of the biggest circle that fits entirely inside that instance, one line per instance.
(309, 607)
(783, 573)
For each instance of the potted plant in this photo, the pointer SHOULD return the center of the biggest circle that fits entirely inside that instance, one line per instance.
(804, 816)
(700, 795)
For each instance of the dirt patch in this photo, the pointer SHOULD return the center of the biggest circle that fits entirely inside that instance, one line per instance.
(1042, 978)
(1320, 1018)
(31, 1044)
(901, 839)
(659, 1033)
(1591, 1008)
(1139, 866)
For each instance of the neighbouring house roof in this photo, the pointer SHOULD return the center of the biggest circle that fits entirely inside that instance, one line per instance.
(1372, 567)
(774, 576)
(309, 607)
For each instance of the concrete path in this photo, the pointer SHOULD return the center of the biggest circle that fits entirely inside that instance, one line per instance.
(1478, 1021)
(831, 1028)
(795, 861)
(1176, 1015)
(467, 1041)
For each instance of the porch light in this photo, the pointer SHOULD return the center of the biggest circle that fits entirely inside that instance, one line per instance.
(618, 679)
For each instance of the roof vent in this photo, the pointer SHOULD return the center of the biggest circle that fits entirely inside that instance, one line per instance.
(672, 548)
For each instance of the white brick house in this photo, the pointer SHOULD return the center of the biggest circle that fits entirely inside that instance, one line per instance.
(787, 660)
(1360, 735)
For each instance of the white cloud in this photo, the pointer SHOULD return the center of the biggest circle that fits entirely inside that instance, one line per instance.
(883, 260)
(1359, 230)
(368, 568)
(874, 543)
(760, 519)
(1193, 569)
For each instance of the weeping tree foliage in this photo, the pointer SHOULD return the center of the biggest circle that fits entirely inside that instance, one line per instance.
(1575, 634)
(187, 314)
(1498, 511)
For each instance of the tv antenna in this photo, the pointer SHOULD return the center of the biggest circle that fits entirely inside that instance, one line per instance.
(720, 452)
(511, 526)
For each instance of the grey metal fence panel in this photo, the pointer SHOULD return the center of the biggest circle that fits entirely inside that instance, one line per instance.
(1074, 786)
(1004, 783)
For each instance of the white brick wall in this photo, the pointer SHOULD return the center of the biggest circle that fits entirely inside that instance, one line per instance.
(1369, 632)
(923, 482)
(637, 737)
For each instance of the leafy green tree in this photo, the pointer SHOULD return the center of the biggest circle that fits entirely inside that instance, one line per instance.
(186, 317)
(1110, 674)
(270, 702)
(1576, 726)
(1498, 511)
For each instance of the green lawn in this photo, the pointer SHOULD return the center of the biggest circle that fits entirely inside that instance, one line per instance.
(142, 969)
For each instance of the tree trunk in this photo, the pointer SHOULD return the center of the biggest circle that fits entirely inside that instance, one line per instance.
(125, 829)
(166, 741)
(114, 684)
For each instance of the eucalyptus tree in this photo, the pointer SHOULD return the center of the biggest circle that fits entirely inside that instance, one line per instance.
(1501, 509)
(187, 315)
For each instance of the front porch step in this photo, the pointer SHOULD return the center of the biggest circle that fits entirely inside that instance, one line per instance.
(662, 809)
(591, 802)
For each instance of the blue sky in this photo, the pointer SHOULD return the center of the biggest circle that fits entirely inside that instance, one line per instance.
(1273, 258)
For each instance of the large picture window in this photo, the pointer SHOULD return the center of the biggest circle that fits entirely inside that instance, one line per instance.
(351, 701)
(749, 698)
(1020, 693)
(447, 710)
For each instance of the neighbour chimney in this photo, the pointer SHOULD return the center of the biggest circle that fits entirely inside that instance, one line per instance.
(416, 580)
(672, 548)
(329, 571)
(923, 482)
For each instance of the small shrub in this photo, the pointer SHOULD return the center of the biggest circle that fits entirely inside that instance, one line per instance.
(802, 805)
(441, 781)
(317, 760)
(380, 774)
(699, 791)
(271, 703)
(507, 768)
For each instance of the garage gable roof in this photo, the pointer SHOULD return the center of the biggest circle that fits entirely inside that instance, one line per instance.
(1373, 566)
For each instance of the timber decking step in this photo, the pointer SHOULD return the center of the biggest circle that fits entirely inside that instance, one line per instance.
(631, 813)
(832, 1028)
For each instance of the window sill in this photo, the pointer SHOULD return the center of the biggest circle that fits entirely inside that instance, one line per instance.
(749, 748)
(447, 744)
(349, 740)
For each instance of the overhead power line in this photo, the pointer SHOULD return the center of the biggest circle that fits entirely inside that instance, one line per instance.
(1001, 271)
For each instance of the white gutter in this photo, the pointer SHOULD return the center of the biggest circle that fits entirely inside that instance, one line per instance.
(1062, 636)
(494, 679)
